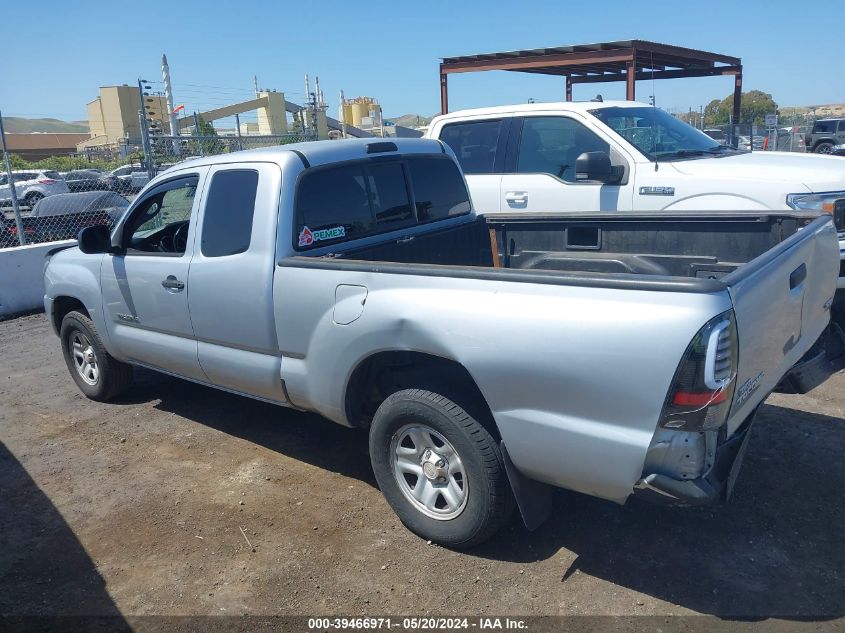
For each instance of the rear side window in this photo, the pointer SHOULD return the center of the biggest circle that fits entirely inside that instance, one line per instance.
(229, 211)
(439, 190)
(474, 143)
(55, 175)
(824, 127)
(351, 201)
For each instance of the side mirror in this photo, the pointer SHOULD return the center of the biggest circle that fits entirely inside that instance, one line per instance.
(94, 239)
(596, 166)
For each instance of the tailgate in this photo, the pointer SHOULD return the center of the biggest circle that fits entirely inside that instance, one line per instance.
(782, 304)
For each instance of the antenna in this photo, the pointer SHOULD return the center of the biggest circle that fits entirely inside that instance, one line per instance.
(653, 91)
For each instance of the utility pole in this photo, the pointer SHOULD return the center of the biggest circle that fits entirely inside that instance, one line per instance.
(168, 93)
(198, 133)
(238, 127)
(342, 116)
(145, 132)
(15, 205)
(306, 122)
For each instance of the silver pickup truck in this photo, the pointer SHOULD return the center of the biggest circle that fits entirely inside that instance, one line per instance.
(490, 359)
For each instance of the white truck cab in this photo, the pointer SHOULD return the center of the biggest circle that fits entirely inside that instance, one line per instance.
(531, 157)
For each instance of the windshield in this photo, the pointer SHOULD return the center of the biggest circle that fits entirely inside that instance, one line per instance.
(659, 135)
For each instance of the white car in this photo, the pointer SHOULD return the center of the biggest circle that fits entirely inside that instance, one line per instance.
(624, 156)
(31, 185)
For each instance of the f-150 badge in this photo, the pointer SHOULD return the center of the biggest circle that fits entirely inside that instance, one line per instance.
(657, 191)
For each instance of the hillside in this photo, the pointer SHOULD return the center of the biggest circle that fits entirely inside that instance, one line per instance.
(410, 120)
(832, 110)
(25, 126)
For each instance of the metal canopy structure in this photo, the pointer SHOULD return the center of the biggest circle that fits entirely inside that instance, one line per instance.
(626, 60)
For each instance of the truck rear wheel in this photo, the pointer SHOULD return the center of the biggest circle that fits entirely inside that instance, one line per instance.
(823, 148)
(97, 374)
(439, 469)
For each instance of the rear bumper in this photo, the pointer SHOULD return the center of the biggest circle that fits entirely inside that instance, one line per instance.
(716, 485)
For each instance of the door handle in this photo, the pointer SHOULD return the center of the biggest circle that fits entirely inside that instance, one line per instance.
(797, 276)
(171, 283)
(516, 197)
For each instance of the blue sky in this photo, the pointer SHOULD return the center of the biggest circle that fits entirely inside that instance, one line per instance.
(390, 50)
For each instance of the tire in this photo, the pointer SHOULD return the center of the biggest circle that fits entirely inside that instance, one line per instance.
(32, 198)
(463, 472)
(823, 148)
(108, 378)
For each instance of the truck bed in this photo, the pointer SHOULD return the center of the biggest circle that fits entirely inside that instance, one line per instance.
(694, 246)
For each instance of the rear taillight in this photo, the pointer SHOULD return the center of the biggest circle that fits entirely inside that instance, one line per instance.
(702, 388)
(46, 181)
(28, 230)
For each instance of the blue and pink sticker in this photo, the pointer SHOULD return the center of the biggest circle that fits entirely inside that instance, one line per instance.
(307, 237)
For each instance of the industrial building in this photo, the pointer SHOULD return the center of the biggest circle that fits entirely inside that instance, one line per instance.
(113, 116)
(38, 145)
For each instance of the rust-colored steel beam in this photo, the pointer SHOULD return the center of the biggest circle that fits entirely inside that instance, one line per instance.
(737, 97)
(536, 61)
(690, 54)
(660, 74)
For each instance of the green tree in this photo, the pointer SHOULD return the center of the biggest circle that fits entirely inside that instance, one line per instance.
(206, 146)
(754, 106)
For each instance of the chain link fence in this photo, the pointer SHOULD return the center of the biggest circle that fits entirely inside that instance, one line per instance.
(55, 205)
(758, 138)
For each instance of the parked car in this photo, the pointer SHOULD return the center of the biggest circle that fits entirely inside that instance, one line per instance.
(824, 135)
(717, 135)
(9, 231)
(481, 354)
(142, 177)
(838, 150)
(31, 186)
(89, 180)
(636, 158)
(62, 216)
(122, 182)
(745, 143)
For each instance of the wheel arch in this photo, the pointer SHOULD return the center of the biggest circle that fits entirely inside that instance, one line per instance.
(818, 142)
(383, 373)
(62, 305)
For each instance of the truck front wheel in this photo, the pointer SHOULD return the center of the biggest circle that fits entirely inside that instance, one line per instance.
(439, 469)
(97, 374)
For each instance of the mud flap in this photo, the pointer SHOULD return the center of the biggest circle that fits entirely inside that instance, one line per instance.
(533, 498)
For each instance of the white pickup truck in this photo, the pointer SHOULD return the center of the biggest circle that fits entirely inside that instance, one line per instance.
(626, 156)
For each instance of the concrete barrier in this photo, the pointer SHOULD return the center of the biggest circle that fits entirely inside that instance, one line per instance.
(22, 277)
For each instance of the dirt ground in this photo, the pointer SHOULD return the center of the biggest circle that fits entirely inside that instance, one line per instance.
(183, 500)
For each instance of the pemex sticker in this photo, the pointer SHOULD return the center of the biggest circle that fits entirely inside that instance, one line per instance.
(307, 237)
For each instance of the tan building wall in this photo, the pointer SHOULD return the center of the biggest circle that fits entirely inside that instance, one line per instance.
(272, 118)
(113, 116)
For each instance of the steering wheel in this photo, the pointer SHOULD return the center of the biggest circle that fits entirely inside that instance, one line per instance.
(180, 239)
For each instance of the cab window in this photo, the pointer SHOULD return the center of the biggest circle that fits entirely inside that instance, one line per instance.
(160, 223)
(475, 144)
(552, 145)
(349, 201)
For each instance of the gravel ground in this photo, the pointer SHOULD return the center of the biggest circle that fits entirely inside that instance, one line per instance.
(183, 500)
